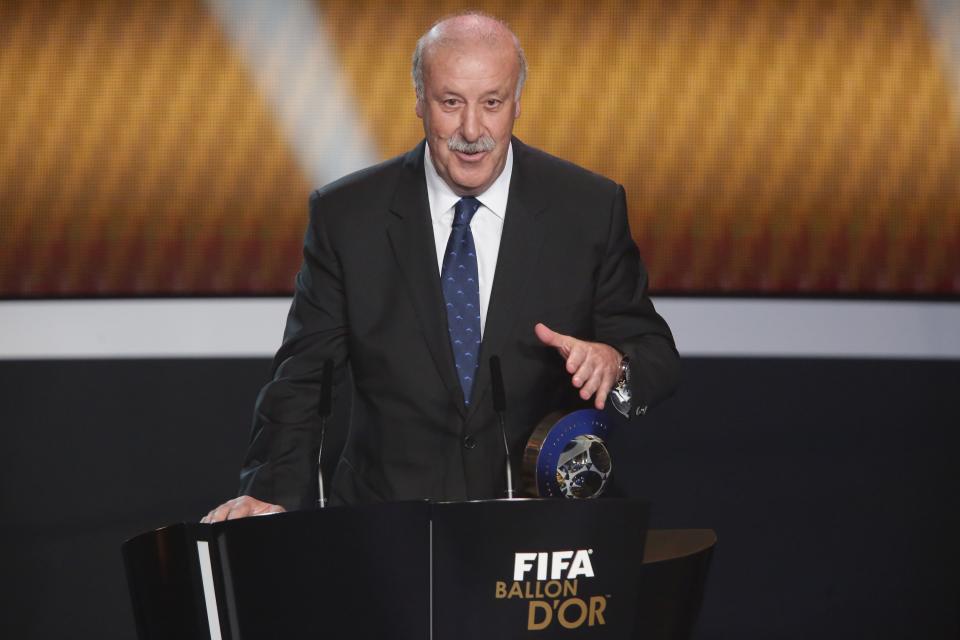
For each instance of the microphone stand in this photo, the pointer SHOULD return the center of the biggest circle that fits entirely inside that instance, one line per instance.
(500, 407)
(326, 402)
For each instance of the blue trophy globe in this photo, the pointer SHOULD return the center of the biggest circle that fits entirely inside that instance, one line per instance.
(567, 457)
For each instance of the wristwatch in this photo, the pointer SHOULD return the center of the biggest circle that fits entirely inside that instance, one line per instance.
(620, 394)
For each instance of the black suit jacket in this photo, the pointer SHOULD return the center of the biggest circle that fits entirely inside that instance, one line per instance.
(368, 295)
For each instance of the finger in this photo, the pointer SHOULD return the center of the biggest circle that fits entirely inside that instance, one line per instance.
(591, 384)
(237, 512)
(223, 513)
(583, 374)
(545, 334)
(576, 358)
(602, 393)
(218, 514)
(599, 383)
(551, 338)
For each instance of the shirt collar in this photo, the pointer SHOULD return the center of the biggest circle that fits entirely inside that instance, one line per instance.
(442, 198)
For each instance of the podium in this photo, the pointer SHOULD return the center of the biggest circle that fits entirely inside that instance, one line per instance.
(424, 570)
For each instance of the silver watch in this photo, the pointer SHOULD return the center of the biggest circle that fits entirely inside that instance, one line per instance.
(620, 394)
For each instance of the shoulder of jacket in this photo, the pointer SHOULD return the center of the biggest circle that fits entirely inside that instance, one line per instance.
(565, 175)
(363, 185)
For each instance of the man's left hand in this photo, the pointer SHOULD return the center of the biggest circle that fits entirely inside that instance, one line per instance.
(594, 366)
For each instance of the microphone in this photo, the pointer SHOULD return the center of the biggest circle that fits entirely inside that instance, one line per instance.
(500, 407)
(326, 403)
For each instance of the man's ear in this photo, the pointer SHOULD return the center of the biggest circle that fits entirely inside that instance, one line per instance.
(419, 108)
(516, 109)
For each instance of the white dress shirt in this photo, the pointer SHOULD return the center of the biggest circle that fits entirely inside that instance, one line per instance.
(486, 225)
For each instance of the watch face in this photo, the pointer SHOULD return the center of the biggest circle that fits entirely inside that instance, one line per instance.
(620, 398)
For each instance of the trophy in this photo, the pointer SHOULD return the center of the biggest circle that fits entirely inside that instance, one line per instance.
(566, 456)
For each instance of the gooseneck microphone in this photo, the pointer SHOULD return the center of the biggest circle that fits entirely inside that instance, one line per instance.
(500, 407)
(326, 403)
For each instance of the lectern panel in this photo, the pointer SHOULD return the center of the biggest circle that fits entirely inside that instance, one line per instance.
(360, 572)
(537, 568)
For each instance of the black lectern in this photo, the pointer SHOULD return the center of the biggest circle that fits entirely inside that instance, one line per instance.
(491, 569)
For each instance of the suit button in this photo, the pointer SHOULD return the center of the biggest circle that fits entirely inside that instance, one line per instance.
(469, 442)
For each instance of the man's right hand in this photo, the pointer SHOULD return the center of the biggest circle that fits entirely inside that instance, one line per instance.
(241, 508)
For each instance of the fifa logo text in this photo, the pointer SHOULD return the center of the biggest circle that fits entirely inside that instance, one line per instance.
(550, 582)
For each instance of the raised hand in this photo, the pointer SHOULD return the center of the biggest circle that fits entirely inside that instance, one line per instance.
(594, 367)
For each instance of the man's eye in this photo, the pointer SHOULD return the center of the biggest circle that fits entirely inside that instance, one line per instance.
(493, 102)
(450, 102)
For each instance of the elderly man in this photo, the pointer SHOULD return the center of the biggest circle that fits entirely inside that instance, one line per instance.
(418, 270)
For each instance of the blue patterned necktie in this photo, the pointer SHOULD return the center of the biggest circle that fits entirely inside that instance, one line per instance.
(461, 290)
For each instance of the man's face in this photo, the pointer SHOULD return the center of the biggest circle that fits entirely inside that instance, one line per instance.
(469, 103)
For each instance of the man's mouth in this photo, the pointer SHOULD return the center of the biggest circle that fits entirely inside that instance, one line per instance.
(471, 156)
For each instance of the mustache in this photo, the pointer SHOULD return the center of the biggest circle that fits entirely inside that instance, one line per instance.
(457, 143)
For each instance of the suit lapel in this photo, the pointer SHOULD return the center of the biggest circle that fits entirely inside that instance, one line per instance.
(411, 236)
(520, 243)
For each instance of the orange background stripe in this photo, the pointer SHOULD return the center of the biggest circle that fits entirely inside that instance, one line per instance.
(766, 146)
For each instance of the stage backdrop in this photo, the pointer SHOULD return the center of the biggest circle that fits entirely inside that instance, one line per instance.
(168, 147)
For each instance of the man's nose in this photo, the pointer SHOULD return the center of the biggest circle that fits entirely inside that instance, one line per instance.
(471, 127)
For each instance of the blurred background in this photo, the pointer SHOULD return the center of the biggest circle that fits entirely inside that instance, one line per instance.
(157, 148)
(793, 180)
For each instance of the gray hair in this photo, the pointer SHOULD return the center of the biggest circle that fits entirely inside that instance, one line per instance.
(430, 37)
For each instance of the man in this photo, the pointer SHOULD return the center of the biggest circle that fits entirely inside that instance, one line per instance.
(409, 263)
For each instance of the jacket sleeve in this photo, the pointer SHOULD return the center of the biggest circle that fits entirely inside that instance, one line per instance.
(625, 317)
(280, 465)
